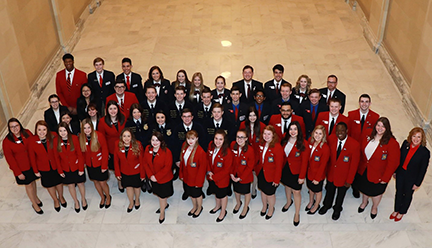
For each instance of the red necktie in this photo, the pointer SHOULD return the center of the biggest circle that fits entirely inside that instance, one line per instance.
(235, 112)
(128, 82)
(328, 99)
(100, 81)
(277, 89)
(313, 113)
(121, 105)
(248, 91)
(68, 82)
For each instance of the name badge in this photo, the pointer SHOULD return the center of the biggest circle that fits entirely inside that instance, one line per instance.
(136, 166)
(39, 142)
(325, 122)
(135, 85)
(270, 159)
(242, 118)
(193, 165)
(357, 122)
(243, 162)
(99, 154)
(18, 142)
(219, 165)
(272, 87)
(317, 158)
(346, 159)
(265, 117)
(297, 154)
(384, 156)
(108, 83)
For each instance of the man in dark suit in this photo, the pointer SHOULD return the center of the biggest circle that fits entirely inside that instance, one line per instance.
(272, 87)
(263, 108)
(52, 115)
(285, 91)
(151, 105)
(102, 82)
(133, 80)
(202, 111)
(176, 108)
(247, 85)
(221, 94)
(332, 92)
(163, 87)
(236, 111)
(218, 122)
(310, 109)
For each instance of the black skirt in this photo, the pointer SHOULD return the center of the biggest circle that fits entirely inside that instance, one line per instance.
(192, 191)
(266, 187)
(29, 177)
(290, 180)
(314, 188)
(369, 188)
(163, 190)
(95, 173)
(242, 188)
(219, 192)
(73, 177)
(50, 178)
(133, 181)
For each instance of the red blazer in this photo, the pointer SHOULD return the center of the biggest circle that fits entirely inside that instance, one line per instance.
(273, 163)
(68, 160)
(343, 169)
(193, 172)
(99, 158)
(298, 161)
(243, 164)
(130, 165)
(354, 124)
(275, 121)
(129, 99)
(112, 135)
(323, 119)
(16, 154)
(69, 99)
(221, 167)
(382, 164)
(160, 167)
(318, 162)
(253, 139)
(41, 159)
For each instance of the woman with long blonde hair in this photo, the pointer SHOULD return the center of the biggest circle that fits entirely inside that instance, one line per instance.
(197, 87)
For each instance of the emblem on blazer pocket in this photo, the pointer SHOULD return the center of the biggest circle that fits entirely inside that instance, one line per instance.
(270, 159)
(384, 156)
(346, 159)
(193, 165)
(243, 162)
(145, 127)
(219, 165)
(317, 158)
(297, 154)
(168, 132)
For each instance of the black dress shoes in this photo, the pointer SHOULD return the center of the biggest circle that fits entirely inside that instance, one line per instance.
(64, 205)
(244, 216)
(361, 210)
(237, 210)
(335, 215)
(158, 211)
(312, 213)
(307, 209)
(373, 215)
(103, 204)
(220, 220)
(214, 211)
(108, 205)
(86, 206)
(296, 223)
(269, 216)
(323, 210)
(161, 221)
(57, 209)
(38, 212)
(184, 197)
(40, 204)
(197, 215)
(286, 209)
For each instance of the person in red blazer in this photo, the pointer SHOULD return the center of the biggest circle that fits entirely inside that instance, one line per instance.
(193, 168)
(41, 153)
(95, 151)
(68, 83)
(123, 98)
(379, 159)
(129, 167)
(158, 163)
(318, 159)
(297, 153)
(269, 169)
(282, 120)
(16, 153)
(331, 117)
(344, 160)
(241, 173)
(70, 163)
(362, 120)
(220, 161)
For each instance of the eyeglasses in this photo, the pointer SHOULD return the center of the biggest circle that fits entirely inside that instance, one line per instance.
(119, 87)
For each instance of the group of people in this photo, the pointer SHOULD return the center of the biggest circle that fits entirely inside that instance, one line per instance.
(251, 136)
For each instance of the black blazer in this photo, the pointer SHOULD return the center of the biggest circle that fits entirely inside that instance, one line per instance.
(306, 113)
(174, 114)
(194, 100)
(200, 115)
(226, 125)
(107, 85)
(136, 86)
(173, 86)
(266, 112)
(75, 125)
(296, 95)
(417, 166)
(337, 94)
(276, 105)
(256, 85)
(82, 107)
(149, 115)
(180, 137)
(168, 133)
(50, 118)
(241, 116)
(165, 93)
(270, 90)
(225, 99)
(142, 132)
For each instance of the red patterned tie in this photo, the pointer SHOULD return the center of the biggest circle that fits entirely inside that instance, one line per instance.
(121, 105)
(100, 80)
(128, 82)
(68, 82)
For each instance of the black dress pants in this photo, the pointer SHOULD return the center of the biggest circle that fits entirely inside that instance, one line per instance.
(404, 192)
(330, 195)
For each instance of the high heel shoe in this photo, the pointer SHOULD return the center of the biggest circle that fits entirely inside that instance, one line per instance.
(296, 223)
(108, 205)
(121, 189)
(264, 213)
(86, 206)
(393, 216)
(236, 210)
(166, 207)
(269, 216)
(197, 215)
(214, 211)
(64, 205)
(57, 209)
(286, 209)
(361, 210)
(220, 220)
(307, 209)
(40, 204)
(396, 219)
(314, 212)
(77, 210)
(244, 216)
(161, 220)
(103, 204)
(128, 210)
(38, 212)
(373, 216)
(190, 213)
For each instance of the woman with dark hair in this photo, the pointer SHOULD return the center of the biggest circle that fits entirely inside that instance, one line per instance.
(380, 157)
(318, 159)
(110, 127)
(241, 173)
(95, 151)
(84, 100)
(93, 114)
(70, 163)
(220, 93)
(220, 160)
(182, 80)
(129, 168)
(412, 169)
(157, 163)
(73, 126)
(302, 88)
(42, 158)
(164, 127)
(162, 85)
(138, 124)
(297, 153)
(193, 167)
(197, 87)
(16, 154)
(269, 169)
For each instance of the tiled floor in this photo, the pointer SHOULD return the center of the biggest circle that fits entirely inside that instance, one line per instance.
(306, 36)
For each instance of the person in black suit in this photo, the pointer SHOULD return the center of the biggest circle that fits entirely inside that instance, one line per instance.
(310, 109)
(221, 94)
(52, 115)
(247, 85)
(263, 108)
(138, 125)
(235, 111)
(202, 111)
(285, 91)
(84, 100)
(102, 82)
(332, 92)
(197, 87)
(74, 126)
(218, 122)
(272, 87)
(151, 105)
(166, 128)
(302, 88)
(162, 85)
(133, 80)
(93, 114)
(176, 107)
(412, 169)
(181, 80)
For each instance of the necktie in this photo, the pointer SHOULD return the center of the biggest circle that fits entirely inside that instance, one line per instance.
(206, 109)
(302, 95)
(161, 129)
(152, 108)
(328, 98)
(68, 82)
(121, 105)
(285, 126)
(331, 125)
(362, 122)
(217, 125)
(248, 91)
(339, 149)
(128, 82)
(313, 113)
(138, 123)
(221, 95)
(259, 111)
(187, 129)
(180, 108)
(100, 80)
(157, 84)
(235, 112)
(277, 88)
